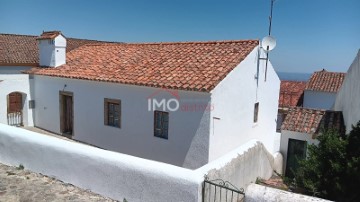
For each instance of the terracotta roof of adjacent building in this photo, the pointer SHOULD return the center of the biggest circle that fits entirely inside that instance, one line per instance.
(312, 121)
(291, 93)
(23, 49)
(49, 35)
(325, 81)
(194, 66)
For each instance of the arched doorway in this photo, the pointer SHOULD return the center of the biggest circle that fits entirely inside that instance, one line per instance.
(15, 106)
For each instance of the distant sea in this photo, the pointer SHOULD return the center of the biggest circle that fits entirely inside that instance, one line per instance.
(293, 76)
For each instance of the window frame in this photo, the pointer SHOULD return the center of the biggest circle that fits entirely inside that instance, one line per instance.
(256, 112)
(108, 101)
(162, 128)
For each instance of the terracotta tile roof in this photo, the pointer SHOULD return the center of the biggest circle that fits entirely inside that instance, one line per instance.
(312, 121)
(49, 35)
(23, 49)
(325, 81)
(291, 93)
(194, 66)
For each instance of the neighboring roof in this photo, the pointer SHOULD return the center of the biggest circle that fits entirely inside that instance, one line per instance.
(195, 66)
(291, 93)
(49, 35)
(312, 121)
(23, 49)
(325, 81)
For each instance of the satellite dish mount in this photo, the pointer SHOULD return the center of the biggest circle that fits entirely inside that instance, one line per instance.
(268, 43)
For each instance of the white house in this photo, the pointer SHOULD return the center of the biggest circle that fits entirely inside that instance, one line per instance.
(183, 103)
(347, 99)
(300, 129)
(19, 53)
(321, 89)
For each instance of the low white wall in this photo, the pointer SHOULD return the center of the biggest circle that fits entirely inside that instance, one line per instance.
(286, 135)
(108, 173)
(243, 165)
(318, 99)
(348, 97)
(122, 176)
(256, 193)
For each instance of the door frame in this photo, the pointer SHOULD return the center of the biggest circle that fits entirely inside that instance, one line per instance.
(62, 94)
(287, 168)
(21, 110)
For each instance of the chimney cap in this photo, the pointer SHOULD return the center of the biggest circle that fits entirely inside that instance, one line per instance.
(49, 35)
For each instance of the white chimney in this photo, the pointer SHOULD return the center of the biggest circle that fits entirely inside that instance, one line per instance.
(52, 49)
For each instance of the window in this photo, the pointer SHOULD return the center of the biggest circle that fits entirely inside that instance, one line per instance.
(256, 112)
(161, 124)
(112, 112)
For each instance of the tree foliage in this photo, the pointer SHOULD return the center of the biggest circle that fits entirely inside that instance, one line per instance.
(331, 169)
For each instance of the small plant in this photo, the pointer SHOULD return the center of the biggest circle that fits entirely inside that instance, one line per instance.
(258, 180)
(10, 173)
(125, 200)
(20, 167)
(27, 177)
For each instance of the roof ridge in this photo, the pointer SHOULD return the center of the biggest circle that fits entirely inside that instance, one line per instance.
(18, 35)
(315, 109)
(28, 35)
(94, 40)
(326, 71)
(307, 108)
(293, 81)
(179, 42)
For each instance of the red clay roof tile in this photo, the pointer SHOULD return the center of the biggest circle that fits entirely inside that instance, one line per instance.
(312, 121)
(325, 81)
(23, 49)
(291, 93)
(196, 66)
(49, 35)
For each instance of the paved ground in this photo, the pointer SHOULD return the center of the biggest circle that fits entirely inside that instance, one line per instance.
(19, 185)
(41, 131)
(44, 132)
(275, 182)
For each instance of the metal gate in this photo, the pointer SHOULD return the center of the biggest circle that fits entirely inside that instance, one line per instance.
(14, 112)
(221, 191)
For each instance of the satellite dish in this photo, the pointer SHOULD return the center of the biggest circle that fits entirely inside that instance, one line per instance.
(268, 43)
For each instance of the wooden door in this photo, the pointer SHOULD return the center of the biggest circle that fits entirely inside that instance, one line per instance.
(66, 113)
(15, 102)
(14, 113)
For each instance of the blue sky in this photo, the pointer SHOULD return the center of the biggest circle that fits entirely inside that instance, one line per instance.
(311, 34)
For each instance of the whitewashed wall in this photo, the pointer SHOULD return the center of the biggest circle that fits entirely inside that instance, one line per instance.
(234, 99)
(52, 54)
(108, 173)
(188, 141)
(348, 98)
(122, 176)
(256, 193)
(286, 135)
(14, 81)
(243, 165)
(318, 99)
